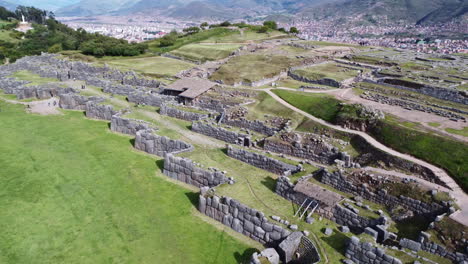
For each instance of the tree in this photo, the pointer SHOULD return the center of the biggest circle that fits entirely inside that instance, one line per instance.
(263, 29)
(270, 24)
(56, 48)
(225, 24)
(191, 30)
(204, 25)
(293, 30)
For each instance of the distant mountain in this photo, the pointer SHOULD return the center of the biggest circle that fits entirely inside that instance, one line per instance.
(385, 11)
(94, 7)
(199, 10)
(8, 5)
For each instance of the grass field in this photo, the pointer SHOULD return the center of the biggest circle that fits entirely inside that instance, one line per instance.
(35, 79)
(327, 70)
(461, 132)
(205, 52)
(73, 192)
(246, 36)
(250, 68)
(156, 66)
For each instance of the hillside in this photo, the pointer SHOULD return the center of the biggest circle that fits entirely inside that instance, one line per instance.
(8, 5)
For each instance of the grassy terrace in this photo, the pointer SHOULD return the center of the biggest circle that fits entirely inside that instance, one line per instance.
(328, 70)
(35, 79)
(250, 68)
(446, 153)
(205, 52)
(111, 204)
(244, 37)
(153, 66)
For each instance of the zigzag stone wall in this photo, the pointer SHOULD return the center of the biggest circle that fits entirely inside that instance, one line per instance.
(220, 133)
(241, 218)
(97, 111)
(254, 125)
(185, 170)
(154, 144)
(262, 161)
(366, 253)
(150, 99)
(171, 111)
(77, 102)
(128, 126)
(339, 182)
(324, 81)
(313, 150)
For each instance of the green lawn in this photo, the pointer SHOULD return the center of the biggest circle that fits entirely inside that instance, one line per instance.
(246, 36)
(205, 52)
(461, 132)
(157, 66)
(250, 68)
(73, 192)
(35, 79)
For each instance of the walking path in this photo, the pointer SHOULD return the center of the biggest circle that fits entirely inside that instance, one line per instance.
(461, 198)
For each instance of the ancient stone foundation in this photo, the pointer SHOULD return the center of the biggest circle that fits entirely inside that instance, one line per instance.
(150, 99)
(154, 144)
(77, 102)
(172, 111)
(187, 171)
(262, 161)
(366, 253)
(241, 218)
(220, 133)
(98, 111)
(128, 126)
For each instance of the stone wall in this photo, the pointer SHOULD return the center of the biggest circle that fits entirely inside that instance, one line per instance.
(262, 161)
(366, 253)
(154, 144)
(172, 111)
(128, 126)
(241, 218)
(433, 248)
(185, 170)
(339, 182)
(345, 217)
(313, 149)
(151, 99)
(77, 102)
(41, 91)
(98, 111)
(369, 156)
(254, 125)
(212, 130)
(324, 81)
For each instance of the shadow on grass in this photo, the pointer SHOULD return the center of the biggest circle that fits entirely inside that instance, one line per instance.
(132, 141)
(412, 227)
(337, 241)
(270, 183)
(160, 164)
(245, 256)
(193, 198)
(109, 125)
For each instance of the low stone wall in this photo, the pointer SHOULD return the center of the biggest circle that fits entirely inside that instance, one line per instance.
(339, 182)
(128, 126)
(254, 125)
(156, 100)
(241, 218)
(185, 170)
(345, 217)
(314, 150)
(98, 111)
(170, 110)
(154, 144)
(41, 91)
(262, 161)
(366, 253)
(324, 81)
(212, 130)
(433, 248)
(77, 102)
(370, 156)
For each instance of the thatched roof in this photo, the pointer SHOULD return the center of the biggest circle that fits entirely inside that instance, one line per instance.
(318, 193)
(191, 87)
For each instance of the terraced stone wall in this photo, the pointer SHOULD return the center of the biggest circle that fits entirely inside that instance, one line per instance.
(242, 219)
(214, 131)
(128, 126)
(156, 100)
(77, 102)
(185, 170)
(366, 253)
(262, 161)
(172, 111)
(154, 144)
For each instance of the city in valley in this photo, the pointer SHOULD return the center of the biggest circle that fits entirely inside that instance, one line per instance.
(328, 131)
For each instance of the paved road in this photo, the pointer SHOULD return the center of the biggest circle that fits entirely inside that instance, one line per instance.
(461, 198)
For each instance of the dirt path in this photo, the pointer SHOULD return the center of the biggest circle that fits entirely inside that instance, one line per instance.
(461, 198)
(42, 107)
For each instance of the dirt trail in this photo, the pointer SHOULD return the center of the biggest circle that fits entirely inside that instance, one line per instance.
(42, 107)
(461, 198)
